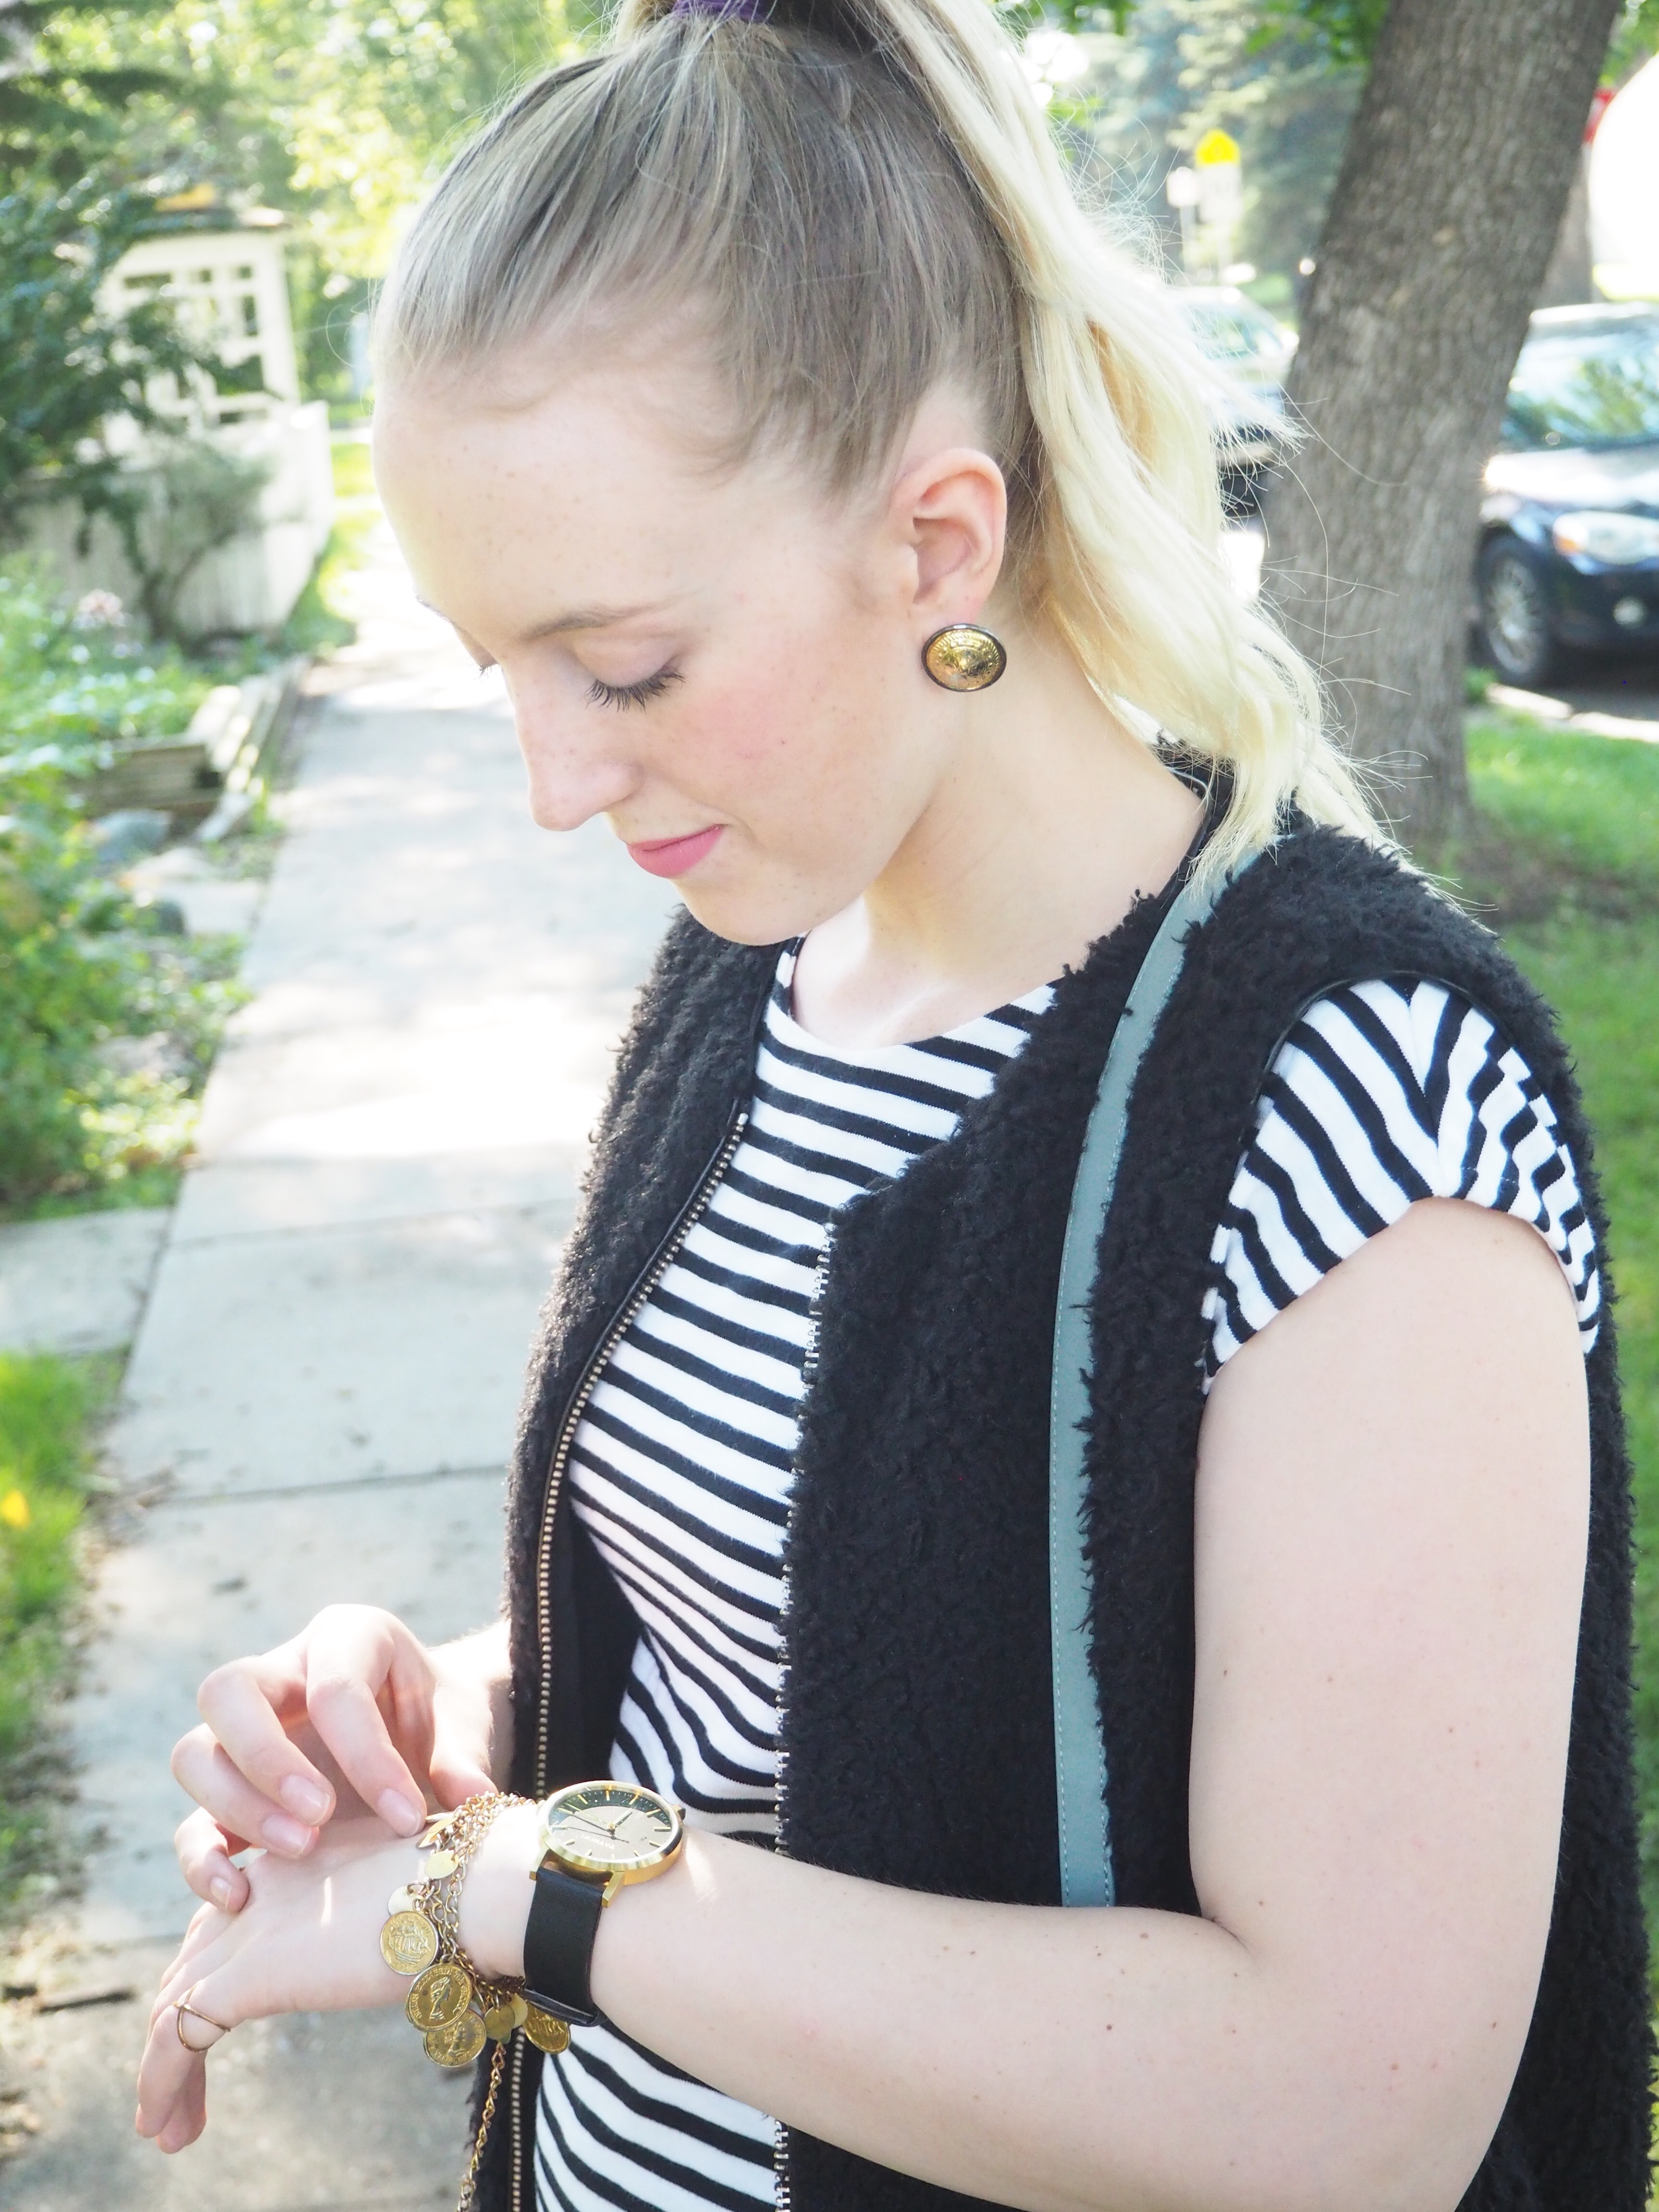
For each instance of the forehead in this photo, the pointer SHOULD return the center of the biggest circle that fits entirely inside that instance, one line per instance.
(463, 443)
(599, 486)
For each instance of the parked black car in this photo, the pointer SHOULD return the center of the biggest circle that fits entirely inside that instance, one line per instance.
(1569, 557)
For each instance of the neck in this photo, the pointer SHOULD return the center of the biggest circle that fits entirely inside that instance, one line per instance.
(1050, 819)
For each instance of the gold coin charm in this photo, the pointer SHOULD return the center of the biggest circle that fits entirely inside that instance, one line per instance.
(440, 1864)
(500, 2020)
(402, 1900)
(963, 657)
(546, 2031)
(520, 2010)
(441, 1994)
(408, 1942)
(457, 2043)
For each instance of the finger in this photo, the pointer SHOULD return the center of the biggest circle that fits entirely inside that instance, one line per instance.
(457, 1772)
(189, 2114)
(245, 1705)
(192, 1959)
(165, 2110)
(204, 1852)
(165, 2070)
(173, 2116)
(352, 1655)
(453, 1781)
(202, 1959)
(206, 1917)
(244, 1815)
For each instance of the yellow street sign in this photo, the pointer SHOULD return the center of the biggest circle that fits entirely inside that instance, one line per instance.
(1216, 150)
(187, 202)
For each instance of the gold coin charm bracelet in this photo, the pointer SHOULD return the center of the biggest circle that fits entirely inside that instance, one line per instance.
(457, 2009)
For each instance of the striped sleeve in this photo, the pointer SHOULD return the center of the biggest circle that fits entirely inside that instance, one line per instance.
(1385, 1093)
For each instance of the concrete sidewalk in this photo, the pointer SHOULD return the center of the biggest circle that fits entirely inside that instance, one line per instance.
(323, 1388)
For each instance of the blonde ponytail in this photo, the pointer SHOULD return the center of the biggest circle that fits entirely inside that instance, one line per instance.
(860, 200)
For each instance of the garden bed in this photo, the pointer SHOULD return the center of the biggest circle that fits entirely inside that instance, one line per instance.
(200, 775)
(110, 1011)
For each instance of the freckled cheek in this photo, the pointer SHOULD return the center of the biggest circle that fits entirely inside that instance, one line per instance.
(794, 704)
(754, 730)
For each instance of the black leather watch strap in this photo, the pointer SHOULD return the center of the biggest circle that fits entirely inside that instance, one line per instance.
(558, 1943)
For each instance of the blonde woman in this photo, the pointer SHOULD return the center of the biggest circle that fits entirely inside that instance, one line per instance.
(842, 515)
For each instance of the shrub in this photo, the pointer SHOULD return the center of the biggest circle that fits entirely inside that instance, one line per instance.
(82, 968)
(68, 368)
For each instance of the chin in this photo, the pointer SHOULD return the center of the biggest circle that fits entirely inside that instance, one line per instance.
(757, 917)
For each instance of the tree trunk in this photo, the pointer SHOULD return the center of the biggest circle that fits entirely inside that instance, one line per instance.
(1447, 206)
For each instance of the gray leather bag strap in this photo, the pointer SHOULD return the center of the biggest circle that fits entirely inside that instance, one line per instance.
(1081, 1769)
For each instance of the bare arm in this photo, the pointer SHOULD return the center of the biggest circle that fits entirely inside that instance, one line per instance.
(1393, 1495)
(1391, 1517)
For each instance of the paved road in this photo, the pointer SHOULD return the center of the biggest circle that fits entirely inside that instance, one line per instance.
(324, 1386)
(1629, 689)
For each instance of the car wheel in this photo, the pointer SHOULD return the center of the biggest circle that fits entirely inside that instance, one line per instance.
(1514, 614)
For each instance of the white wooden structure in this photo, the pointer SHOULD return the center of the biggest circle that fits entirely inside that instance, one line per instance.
(229, 289)
(231, 292)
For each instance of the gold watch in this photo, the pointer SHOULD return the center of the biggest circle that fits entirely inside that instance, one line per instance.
(596, 1838)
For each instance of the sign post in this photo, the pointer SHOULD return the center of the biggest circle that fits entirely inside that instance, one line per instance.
(1181, 189)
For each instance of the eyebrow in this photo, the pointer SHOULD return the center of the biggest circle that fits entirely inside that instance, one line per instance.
(596, 617)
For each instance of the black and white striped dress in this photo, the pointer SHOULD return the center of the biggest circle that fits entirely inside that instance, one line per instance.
(681, 1466)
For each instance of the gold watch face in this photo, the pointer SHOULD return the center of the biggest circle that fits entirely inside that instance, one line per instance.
(611, 1828)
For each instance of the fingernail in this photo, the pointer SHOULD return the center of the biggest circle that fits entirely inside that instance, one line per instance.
(399, 1812)
(285, 1835)
(221, 1889)
(308, 1799)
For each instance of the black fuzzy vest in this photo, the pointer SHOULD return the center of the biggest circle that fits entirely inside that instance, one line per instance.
(917, 1680)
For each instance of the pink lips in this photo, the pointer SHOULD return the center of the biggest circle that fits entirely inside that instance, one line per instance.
(672, 856)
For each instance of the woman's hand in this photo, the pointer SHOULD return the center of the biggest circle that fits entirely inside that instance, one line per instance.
(354, 1715)
(307, 1941)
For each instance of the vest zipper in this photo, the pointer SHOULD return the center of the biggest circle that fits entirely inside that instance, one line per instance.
(782, 2191)
(681, 1227)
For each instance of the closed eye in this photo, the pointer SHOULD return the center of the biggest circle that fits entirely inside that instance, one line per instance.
(632, 694)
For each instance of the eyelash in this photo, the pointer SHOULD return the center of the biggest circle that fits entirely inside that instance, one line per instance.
(632, 694)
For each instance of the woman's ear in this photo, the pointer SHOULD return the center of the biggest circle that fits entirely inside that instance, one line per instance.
(952, 509)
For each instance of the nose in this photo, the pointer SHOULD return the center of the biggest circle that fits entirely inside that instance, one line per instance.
(575, 770)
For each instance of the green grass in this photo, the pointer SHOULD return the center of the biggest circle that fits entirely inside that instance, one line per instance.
(1586, 808)
(1603, 978)
(48, 1411)
(316, 624)
(1565, 859)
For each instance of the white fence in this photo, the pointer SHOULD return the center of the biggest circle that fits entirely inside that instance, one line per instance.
(231, 293)
(251, 583)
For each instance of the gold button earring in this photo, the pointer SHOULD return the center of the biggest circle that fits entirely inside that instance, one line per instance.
(964, 658)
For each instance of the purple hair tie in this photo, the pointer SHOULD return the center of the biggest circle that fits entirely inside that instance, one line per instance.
(746, 11)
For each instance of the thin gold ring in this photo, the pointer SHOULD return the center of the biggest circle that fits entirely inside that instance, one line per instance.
(182, 2005)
